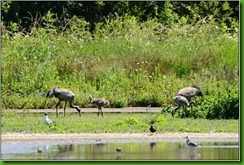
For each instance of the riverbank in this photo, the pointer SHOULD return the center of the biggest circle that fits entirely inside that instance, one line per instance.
(120, 136)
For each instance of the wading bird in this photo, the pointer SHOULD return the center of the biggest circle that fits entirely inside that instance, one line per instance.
(184, 97)
(152, 129)
(47, 120)
(189, 143)
(99, 103)
(63, 95)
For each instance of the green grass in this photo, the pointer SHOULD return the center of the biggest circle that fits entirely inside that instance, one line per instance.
(112, 123)
(125, 61)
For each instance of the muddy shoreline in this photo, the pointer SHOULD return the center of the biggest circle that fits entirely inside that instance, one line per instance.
(119, 137)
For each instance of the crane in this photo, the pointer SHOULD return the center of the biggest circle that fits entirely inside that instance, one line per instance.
(63, 95)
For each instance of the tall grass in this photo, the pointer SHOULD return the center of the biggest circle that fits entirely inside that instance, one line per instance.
(128, 62)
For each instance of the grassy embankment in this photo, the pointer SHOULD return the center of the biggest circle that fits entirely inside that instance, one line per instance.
(112, 123)
(127, 62)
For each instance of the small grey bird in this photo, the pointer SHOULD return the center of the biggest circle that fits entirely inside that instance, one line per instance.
(47, 120)
(189, 143)
(99, 103)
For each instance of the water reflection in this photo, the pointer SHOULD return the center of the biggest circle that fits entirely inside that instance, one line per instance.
(135, 151)
(146, 151)
(152, 145)
(192, 154)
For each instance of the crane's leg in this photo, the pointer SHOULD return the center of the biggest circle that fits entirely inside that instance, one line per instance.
(101, 112)
(174, 110)
(184, 110)
(74, 106)
(78, 111)
(65, 107)
(98, 111)
(192, 103)
(57, 107)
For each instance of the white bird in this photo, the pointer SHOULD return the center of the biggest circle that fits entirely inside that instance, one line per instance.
(189, 143)
(47, 120)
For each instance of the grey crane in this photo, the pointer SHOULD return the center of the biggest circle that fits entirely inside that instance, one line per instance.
(99, 103)
(63, 95)
(181, 101)
(189, 143)
(184, 97)
(189, 92)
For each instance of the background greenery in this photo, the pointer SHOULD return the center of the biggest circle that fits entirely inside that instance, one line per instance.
(132, 53)
(27, 14)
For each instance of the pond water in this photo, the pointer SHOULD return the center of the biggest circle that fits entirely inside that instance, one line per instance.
(99, 150)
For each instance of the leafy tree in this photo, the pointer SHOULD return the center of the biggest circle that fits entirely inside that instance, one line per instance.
(28, 14)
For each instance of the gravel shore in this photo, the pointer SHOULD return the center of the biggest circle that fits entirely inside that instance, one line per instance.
(120, 136)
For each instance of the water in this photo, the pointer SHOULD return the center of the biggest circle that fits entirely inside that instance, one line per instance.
(99, 150)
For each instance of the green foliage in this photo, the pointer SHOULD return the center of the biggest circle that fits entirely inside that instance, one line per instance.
(48, 20)
(224, 102)
(220, 101)
(111, 123)
(128, 62)
(132, 120)
(224, 13)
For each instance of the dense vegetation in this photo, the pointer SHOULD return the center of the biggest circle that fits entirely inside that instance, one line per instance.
(128, 60)
(29, 14)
